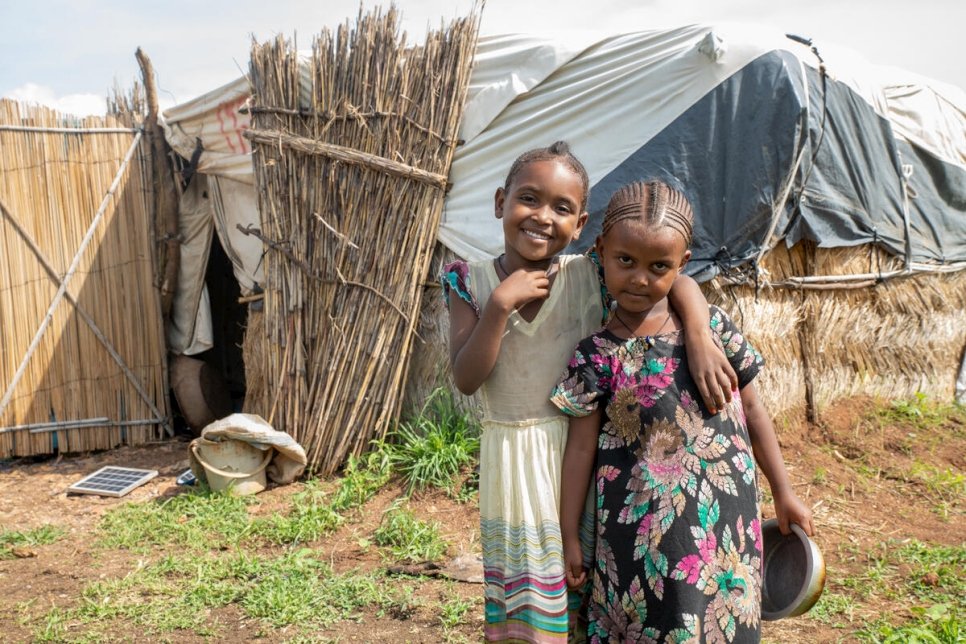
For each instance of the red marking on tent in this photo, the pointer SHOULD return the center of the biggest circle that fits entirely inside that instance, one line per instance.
(233, 131)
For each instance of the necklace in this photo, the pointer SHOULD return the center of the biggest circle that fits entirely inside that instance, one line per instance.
(634, 333)
(506, 273)
(499, 262)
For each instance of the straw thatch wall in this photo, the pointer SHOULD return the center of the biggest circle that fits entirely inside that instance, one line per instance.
(82, 364)
(351, 179)
(888, 340)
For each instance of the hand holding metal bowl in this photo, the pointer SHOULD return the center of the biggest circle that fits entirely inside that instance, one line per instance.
(793, 574)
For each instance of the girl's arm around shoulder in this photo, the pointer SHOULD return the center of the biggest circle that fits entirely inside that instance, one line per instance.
(578, 463)
(710, 368)
(764, 443)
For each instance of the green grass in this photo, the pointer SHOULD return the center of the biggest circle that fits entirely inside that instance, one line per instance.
(407, 538)
(944, 487)
(198, 519)
(833, 608)
(453, 612)
(178, 592)
(431, 449)
(299, 589)
(315, 513)
(204, 550)
(926, 578)
(935, 625)
(200, 552)
(202, 519)
(44, 535)
(920, 412)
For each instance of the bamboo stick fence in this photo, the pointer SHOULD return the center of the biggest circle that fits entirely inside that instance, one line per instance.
(351, 178)
(82, 364)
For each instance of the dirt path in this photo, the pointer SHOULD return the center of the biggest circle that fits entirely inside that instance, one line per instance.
(874, 487)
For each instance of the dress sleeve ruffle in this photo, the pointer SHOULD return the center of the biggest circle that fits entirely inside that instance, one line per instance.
(456, 278)
(743, 356)
(606, 302)
(577, 393)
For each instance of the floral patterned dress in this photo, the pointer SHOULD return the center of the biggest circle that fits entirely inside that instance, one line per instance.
(678, 554)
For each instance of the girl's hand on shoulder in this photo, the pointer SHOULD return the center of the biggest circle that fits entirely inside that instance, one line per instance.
(712, 373)
(520, 287)
(791, 509)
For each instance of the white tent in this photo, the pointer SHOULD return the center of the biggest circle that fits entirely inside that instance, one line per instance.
(612, 97)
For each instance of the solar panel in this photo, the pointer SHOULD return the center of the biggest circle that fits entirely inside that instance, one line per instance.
(112, 481)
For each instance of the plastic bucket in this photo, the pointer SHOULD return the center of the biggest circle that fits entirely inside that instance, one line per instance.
(232, 465)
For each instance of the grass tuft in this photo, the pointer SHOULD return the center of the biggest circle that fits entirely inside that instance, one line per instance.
(935, 625)
(920, 412)
(198, 519)
(431, 449)
(408, 538)
(42, 536)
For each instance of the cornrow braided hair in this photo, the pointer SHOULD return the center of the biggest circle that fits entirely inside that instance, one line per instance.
(557, 151)
(655, 203)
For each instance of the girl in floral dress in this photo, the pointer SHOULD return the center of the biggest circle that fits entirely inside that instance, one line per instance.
(513, 323)
(678, 549)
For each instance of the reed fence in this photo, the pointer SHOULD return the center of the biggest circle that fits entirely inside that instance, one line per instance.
(351, 173)
(82, 364)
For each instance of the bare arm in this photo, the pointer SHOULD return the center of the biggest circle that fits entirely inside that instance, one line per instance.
(764, 443)
(709, 367)
(474, 344)
(578, 463)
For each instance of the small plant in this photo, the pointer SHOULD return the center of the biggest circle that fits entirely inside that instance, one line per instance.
(310, 518)
(452, 612)
(362, 478)
(431, 449)
(936, 625)
(946, 486)
(831, 607)
(469, 489)
(921, 412)
(819, 475)
(408, 538)
(10, 540)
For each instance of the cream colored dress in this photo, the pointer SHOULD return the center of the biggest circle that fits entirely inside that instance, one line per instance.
(522, 450)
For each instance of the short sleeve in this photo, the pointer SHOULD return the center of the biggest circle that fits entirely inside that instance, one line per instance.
(744, 358)
(577, 393)
(456, 278)
(606, 301)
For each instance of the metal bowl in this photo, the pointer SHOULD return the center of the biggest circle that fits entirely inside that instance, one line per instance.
(793, 572)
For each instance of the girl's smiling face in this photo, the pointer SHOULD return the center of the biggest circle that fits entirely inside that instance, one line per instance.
(541, 212)
(640, 263)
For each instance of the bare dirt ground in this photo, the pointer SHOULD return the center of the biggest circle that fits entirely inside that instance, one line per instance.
(852, 470)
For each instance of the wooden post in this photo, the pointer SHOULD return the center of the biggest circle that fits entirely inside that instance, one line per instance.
(165, 191)
(806, 336)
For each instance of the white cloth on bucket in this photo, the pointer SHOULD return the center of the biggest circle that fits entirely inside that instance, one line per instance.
(289, 460)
